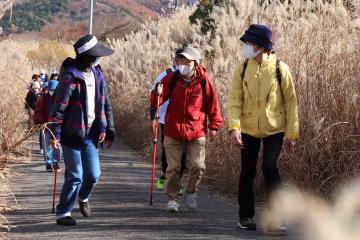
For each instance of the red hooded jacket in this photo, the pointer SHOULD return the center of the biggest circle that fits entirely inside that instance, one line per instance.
(186, 118)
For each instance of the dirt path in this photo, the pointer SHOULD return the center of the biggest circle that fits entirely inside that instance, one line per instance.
(120, 206)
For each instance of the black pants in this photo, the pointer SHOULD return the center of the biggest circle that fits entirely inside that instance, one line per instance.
(272, 147)
(163, 155)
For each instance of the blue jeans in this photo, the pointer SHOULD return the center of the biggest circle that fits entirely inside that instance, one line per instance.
(82, 172)
(50, 157)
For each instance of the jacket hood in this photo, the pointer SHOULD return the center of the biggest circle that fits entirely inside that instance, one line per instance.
(201, 73)
(68, 65)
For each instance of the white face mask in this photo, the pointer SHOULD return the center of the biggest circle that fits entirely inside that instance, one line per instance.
(184, 70)
(97, 61)
(248, 51)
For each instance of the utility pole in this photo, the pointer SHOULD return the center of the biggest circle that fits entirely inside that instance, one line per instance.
(91, 16)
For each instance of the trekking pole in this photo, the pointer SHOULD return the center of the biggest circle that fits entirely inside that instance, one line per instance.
(55, 174)
(154, 153)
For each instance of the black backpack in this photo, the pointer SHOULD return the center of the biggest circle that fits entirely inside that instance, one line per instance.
(278, 72)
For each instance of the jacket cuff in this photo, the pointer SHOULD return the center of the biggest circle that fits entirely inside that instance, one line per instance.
(292, 136)
(103, 130)
(234, 127)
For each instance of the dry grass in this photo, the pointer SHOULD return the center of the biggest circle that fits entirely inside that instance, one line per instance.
(321, 44)
(314, 217)
(14, 67)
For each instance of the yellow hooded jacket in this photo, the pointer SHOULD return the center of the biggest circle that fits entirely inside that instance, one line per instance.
(257, 106)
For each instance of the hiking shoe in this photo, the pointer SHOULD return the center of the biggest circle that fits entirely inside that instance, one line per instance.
(173, 206)
(160, 183)
(48, 168)
(57, 167)
(85, 208)
(182, 190)
(191, 200)
(66, 221)
(247, 224)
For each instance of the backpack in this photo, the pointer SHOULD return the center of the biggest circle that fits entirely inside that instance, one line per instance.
(169, 70)
(278, 72)
(175, 79)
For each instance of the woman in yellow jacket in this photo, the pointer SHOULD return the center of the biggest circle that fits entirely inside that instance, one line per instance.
(262, 108)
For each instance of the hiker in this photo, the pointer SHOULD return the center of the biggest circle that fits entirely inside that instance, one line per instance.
(42, 76)
(262, 108)
(54, 76)
(110, 128)
(31, 98)
(80, 124)
(160, 184)
(41, 116)
(193, 103)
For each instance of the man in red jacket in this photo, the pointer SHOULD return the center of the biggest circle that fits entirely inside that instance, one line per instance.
(193, 111)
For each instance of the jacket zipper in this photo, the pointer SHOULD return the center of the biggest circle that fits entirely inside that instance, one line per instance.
(258, 78)
(184, 123)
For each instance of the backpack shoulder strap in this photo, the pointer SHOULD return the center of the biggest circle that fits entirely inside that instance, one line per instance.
(169, 70)
(244, 69)
(203, 89)
(278, 72)
(174, 80)
(278, 75)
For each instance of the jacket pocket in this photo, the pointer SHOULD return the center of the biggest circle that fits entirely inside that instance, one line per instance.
(276, 120)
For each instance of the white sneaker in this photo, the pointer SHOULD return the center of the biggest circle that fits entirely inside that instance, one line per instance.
(41, 151)
(173, 206)
(190, 200)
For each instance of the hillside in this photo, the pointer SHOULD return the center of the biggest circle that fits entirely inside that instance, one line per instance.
(66, 19)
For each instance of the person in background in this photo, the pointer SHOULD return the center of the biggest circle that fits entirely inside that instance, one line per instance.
(42, 116)
(42, 75)
(161, 182)
(31, 98)
(262, 109)
(54, 76)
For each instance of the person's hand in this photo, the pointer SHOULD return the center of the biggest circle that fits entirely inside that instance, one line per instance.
(290, 144)
(54, 143)
(159, 89)
(102, 137)
(212, 135)
(108, 143)
(236, 138)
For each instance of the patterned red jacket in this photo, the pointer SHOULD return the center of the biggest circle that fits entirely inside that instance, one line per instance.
(42, 109)
(69, 110)
(186, 118)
